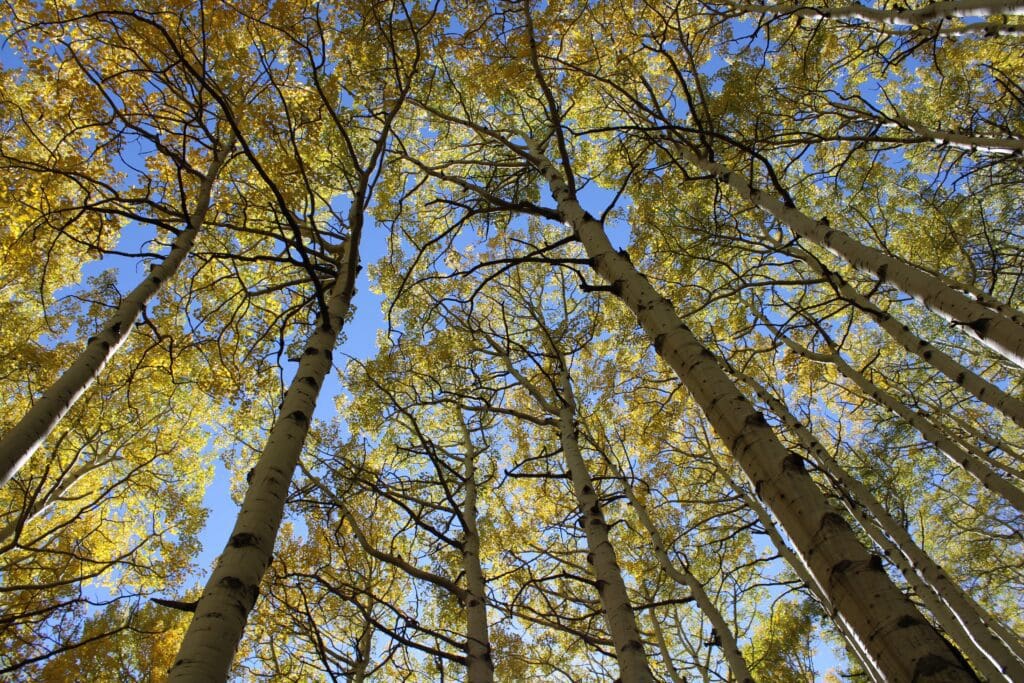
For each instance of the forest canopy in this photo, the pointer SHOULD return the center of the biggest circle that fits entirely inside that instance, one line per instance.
(689, 343)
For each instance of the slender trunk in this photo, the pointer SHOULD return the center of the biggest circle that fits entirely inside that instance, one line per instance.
(932, 12)
(982, 297)
(981, 322)
(43, 502)
(946, 138)
(803, 572)
(666, 654)
(971, 463)
(683, 577)
(230, 594)
(479, 663)
(629, 647)
(983, 646)
(18, 445)
(990, 438)
(363, 653)
(904, 645)
(973, 383)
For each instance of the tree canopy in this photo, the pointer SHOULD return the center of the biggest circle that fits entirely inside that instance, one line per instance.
(698, 355)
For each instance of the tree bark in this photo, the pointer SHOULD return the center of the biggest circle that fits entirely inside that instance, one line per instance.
(18, 445)
(986, 324)
(479, 662)
(618, 610)
(894, 633)
(803, 572)
(212, 638)
(970, 381)
(930, 581)
(975, 466)
(935, 11)
(682, 576)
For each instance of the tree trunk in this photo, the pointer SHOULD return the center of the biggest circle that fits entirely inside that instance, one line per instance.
(803, 572)
(479, 662)
(983, 323)
(18, 445)
(212, 638)
(928, 577)
(932, 12)
(629, 648)
(682, 576)
(895, 635)
(973, 383)
(957, 455)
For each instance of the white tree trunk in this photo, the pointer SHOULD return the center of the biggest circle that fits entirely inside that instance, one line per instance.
(212, 638)
(618, 610)
(983, 323)
(895, 635)
(944, 597)
(18, 445)
(44, 501)
(682, 576)
(803, 572)
(957, 455)
(934, 11)
(973, 383)
(479, 662)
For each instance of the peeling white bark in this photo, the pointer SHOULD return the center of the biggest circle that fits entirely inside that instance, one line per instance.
(212, 638)
(895, 635)
(18, 445)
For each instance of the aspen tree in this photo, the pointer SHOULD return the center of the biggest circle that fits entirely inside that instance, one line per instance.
(18, 445)
(893, 632)
(992, 650)
(971, 381)
(959, 455)
(991, 328)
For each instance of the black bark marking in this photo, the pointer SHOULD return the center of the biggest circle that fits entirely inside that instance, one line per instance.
(755, 419)
(908, 621)
(841, 566)
(633, 645)
(980, 326)
(793, 463)
(243, 540)
(929, 665)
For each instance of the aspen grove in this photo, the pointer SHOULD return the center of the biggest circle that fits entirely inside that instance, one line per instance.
(637, 340)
